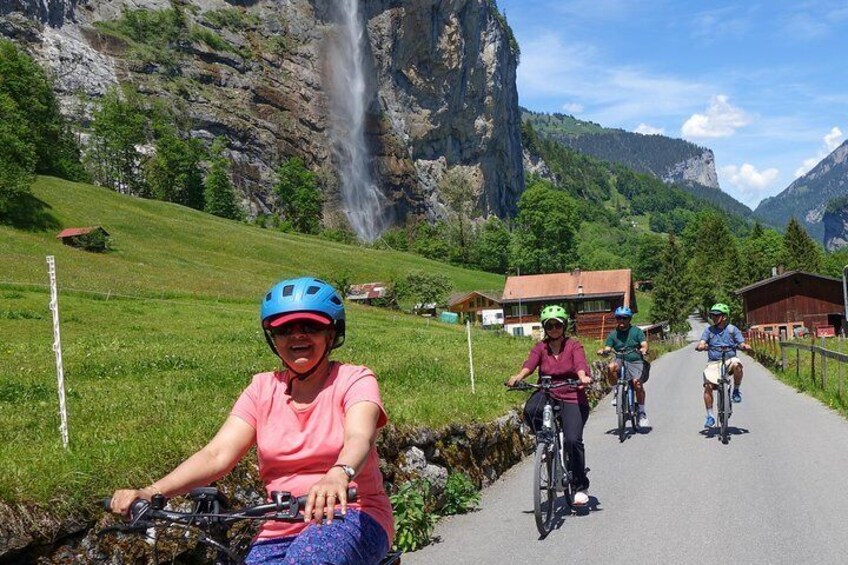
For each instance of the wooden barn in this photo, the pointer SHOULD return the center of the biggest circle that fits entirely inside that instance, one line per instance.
(785, 303)
(482, 308)
(589, 297)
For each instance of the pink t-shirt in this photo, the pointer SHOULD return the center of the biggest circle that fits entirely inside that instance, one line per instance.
(297, 446)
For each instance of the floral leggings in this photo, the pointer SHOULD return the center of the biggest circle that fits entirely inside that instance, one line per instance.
(356, 539)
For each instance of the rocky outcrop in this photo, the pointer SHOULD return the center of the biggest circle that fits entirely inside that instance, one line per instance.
(441, 87)
(835, 228)
(699, 169)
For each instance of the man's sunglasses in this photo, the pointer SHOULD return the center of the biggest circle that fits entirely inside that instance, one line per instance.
(622, 318)
(553, 326)
(299, 327)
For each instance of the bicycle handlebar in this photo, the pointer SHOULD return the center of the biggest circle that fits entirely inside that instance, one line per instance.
(284, 508)
(522, 385)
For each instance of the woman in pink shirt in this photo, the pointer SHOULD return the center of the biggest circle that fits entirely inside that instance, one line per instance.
(562, 358)
(314, 425)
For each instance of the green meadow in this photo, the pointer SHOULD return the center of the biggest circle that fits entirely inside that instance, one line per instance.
(160, 335)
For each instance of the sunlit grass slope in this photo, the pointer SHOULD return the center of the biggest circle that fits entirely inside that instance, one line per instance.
(163, 249)
(150, 379)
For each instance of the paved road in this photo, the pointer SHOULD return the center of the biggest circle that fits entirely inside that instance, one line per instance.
(777, 493)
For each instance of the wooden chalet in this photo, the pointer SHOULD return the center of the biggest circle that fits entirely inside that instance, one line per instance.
(589, 297)
(482, 308)
(785, 303)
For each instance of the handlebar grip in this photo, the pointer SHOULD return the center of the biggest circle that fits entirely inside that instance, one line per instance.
(105, 503)
(138, 507)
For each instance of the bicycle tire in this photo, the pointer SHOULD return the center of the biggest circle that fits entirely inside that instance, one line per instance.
(633, 407)
(620, 407)
(725, 421)
(544, 491)
(722, 410)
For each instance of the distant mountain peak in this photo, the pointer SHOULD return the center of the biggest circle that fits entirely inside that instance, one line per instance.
(809, 195)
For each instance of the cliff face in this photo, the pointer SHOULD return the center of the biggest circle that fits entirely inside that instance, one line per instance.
(699, 169)
(835, 229)
(440, 83)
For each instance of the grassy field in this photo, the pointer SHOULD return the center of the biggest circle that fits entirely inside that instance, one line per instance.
(166, 250)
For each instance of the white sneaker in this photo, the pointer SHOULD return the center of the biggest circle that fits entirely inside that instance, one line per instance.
(581, 498)
(643, 420)
(614, 400)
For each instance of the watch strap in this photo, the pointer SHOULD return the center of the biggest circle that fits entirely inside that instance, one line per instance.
(348, 470)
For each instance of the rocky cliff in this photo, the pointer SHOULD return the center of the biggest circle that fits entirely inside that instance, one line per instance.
(807, 198)
(835, 228)
(440, 86)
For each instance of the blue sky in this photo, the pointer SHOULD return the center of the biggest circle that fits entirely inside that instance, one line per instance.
(762, 84)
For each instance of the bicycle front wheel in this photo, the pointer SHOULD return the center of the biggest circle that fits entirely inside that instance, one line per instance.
(723, 414)
(621, 409)
(544, 487)
(633, 407)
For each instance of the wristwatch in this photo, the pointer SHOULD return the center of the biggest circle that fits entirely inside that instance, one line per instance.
(348, 470)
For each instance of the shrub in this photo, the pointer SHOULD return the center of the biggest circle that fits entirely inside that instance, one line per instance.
(461, 495)
(96, 241)
(413, 520)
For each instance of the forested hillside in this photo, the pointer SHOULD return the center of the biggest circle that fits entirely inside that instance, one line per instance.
(685, 164)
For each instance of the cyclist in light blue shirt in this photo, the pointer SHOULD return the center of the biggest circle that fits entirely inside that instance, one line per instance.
(721, 334)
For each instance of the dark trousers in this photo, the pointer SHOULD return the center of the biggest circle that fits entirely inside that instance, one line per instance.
(573, 418)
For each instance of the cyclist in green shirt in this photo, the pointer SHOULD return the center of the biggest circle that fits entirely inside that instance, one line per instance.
(628, 337)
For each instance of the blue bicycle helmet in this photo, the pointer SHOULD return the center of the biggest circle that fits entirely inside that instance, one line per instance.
(302, 298)
(624, 312)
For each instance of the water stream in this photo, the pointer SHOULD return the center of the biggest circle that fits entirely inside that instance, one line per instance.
(364, 203)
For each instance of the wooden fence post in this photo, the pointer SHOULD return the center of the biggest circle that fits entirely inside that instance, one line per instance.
(824, 367)
(782, 358)
(813, 358)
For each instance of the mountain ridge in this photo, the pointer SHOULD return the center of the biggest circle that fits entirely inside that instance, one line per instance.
(807, 197)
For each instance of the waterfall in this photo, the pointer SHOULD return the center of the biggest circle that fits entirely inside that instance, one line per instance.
(364, 203)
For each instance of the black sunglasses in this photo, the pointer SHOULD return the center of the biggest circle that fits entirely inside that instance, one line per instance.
(299, 327)
(553, 325)
(622, 318)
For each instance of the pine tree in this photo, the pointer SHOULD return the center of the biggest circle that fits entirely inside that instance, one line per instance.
(219, 191)
(714, 268)
(672, 297)
(300, 197)
(800, 251)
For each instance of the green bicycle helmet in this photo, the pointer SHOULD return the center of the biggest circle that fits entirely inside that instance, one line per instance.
(553, 312)
(719, 308)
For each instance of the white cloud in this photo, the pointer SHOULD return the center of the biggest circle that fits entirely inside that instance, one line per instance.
(645, 129)
(721, 119)
(833, 139)
(573, 107)
(830, 141)
(748, 178)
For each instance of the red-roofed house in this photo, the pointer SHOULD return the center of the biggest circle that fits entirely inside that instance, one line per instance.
(365, 293)
(589, 297)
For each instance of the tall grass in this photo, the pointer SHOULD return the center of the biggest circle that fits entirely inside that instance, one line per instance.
(828, 382)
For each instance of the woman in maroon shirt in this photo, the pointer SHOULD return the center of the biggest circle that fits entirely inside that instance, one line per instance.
(562, 358)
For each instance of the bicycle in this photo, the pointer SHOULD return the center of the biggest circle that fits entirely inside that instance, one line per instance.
(552, 463)
(725, 383)
(211, 520)
(626, 405)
